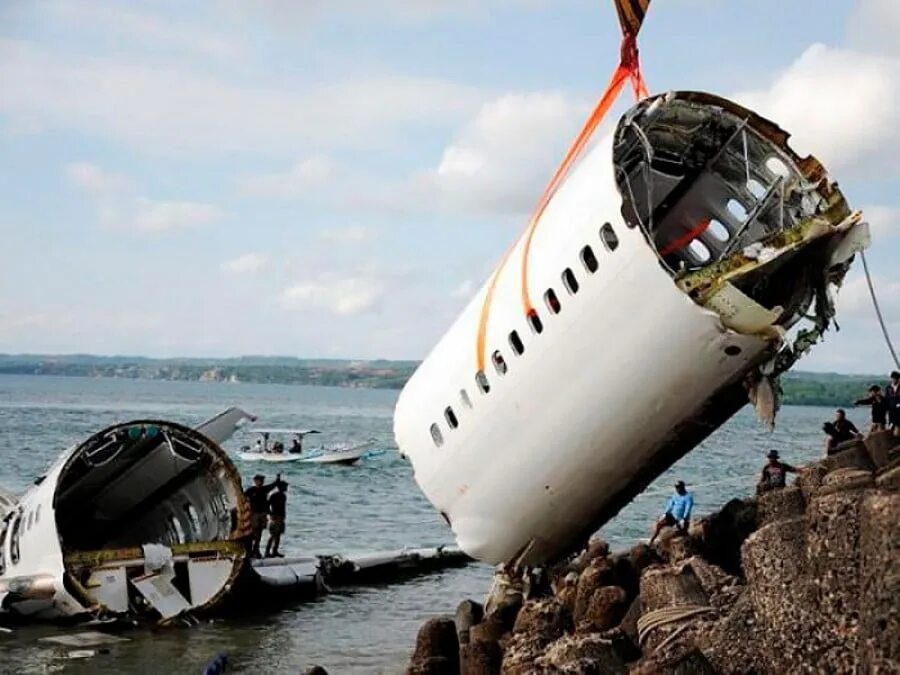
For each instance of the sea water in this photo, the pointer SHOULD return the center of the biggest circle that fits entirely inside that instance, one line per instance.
(374, 505)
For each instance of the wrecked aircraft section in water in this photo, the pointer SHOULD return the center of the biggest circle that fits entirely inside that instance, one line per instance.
(698, 254)
(147, 520)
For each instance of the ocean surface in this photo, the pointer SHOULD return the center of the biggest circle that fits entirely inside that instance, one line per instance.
(375, 505)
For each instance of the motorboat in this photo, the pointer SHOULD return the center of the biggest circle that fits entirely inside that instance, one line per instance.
(343, 454)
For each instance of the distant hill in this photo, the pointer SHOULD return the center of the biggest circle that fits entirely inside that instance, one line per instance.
(800, 388)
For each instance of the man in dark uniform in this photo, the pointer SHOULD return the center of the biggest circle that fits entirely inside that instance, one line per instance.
(774, 474)
(879, 408)
(892, 396)
(839, 431)
(277, 514)
(259, 509)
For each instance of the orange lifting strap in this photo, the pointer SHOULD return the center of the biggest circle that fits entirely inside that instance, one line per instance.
(631, 16)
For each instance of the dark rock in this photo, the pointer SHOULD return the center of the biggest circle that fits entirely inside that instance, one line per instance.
(434, 665)
(725, 531)
(686, 662)
(599, 573)
(889, 479)
(879, 544)
(521, 653)
(469, 613)
(850, 455)
(878, 446)
(605, 610)
(315, 670)
(481, 657)
(780, 504)
(491, 629)
(546, 619)
(641, 557)
(437, 648)
(582, 654)
(628, 625)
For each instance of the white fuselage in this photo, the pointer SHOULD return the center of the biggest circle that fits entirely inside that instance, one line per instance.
(590, 400)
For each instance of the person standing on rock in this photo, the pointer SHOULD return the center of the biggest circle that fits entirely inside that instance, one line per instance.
(678, 511)
(774, 474)
(892, 396)
(879, 408)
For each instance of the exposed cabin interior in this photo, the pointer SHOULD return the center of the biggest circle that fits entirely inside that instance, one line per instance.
(149, 483)
(705, 180)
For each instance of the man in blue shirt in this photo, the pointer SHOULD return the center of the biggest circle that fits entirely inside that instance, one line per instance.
(678, 511)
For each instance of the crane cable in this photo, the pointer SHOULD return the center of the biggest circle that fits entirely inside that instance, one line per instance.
(884, 330)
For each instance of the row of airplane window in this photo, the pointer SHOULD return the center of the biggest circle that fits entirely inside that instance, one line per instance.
(589, 261)
(21, 524)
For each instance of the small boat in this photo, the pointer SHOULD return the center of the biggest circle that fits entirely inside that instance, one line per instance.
(345, 454)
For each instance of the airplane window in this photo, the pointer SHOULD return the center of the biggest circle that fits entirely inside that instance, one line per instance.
(179, 530)
(3, 547)
(589, 260)
(569, 281)
(552, 301)
(482, 382)
(450, 416)
(436, 435)
(464, 397)
(737, 209)
(29, 521)
(718, 230)
(609, 237)
(516, 343)
(499, 362)
(756, 188)
(699, 250)
(194, 519)
(37, 514)
(14, 540)
(535, 322)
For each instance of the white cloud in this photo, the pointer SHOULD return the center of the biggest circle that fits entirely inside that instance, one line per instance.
(307, 175)
(129, 27)
(344, 297)
(245, 264)
(353, 234)
(176, 110)
(884, 221)
(501, 159)
(119, 208)
(841, 105)
(855, 301)
(874, 26)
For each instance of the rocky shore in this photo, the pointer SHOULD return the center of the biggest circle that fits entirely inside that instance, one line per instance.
(803, 579)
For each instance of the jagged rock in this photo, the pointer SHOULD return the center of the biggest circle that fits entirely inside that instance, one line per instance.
(810, 480)
(850, 455)
(676, 546)
(315, 670)
(732, 644)
(599, 573)
(628, 625)
(582, 654)
(783, 600)
(547, 618)
(605, 610)
(433, 665)
(780, 504)
(686, 662)
(491, 629)
(725, 531)
(663, 586)
(720, 587)
(480, 657)
(596, 548)
(521, 653)
(642, 556)
(879, 545)
(889, 479)
(879, 446)
(469, 613)
(437, 648)
(844, 480)
(568, 591)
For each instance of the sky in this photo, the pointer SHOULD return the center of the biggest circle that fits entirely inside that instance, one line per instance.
(335, 178)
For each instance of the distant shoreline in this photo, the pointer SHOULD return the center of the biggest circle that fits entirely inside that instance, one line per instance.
(800, 388)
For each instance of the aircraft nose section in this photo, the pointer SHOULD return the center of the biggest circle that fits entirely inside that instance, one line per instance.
(490, 541)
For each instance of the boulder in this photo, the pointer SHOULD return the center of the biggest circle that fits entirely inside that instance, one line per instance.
(468, 614)
(481, 657)
(605, 610)
(780, 504)
(879, 544)
(878, 446)
(733, 643)
(849, 455)
(582, 654)
(546, 619)
(437, 648)
(725, 531)
(599, 573)
(685, 662)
